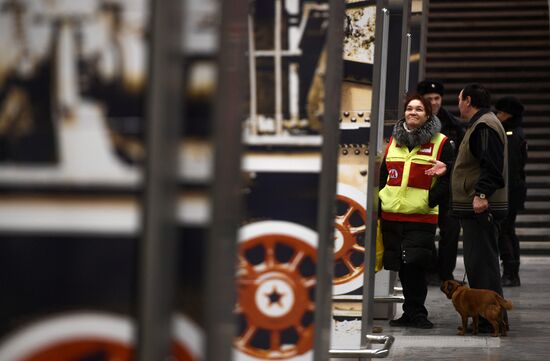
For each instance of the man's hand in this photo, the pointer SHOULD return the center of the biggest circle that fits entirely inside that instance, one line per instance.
(438, 169)
(480, 204)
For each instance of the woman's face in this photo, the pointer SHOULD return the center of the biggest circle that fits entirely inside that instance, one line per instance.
(415, 114)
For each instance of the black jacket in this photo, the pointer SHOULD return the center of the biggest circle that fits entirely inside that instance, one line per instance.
(451, 127)
(517, 158)
(485, 146)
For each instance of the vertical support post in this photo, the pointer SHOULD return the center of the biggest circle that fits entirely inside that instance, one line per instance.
(424, 39)
(398, 27)
(294, 92)
(226, 190)
(375, 144)
(405, 56)
(66, 83)
(327, 189)
(157, 245)
(406, 73)
(278, 68)
(253, 117)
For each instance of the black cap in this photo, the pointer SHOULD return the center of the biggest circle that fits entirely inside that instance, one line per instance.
(430, 86)
(510, 105)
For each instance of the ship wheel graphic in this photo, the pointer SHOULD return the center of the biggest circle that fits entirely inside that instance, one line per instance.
(93, 336)
(276, 289)
(349, 240)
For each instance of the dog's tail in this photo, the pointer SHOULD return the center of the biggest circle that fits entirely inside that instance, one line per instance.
(507, 304)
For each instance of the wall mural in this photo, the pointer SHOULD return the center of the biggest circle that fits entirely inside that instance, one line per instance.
(72, 104)
(73, 81)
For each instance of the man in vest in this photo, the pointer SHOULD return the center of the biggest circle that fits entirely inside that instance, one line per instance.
(479, 189)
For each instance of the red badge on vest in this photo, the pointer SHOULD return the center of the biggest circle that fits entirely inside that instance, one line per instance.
(395, 173)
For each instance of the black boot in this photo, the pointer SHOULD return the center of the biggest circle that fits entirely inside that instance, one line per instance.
(515, 275)
(510, 275)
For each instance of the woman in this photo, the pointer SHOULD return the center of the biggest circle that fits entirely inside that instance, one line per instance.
(413, 179)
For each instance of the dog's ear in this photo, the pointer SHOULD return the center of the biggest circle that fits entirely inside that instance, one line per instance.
(448, 288)
(445, 288)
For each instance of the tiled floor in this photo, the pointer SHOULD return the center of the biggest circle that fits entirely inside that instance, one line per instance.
(528, 339)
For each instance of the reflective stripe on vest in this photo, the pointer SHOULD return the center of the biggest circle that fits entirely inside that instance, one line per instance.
(405, 196)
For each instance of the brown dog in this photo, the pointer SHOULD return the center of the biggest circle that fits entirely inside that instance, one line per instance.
(473, 302)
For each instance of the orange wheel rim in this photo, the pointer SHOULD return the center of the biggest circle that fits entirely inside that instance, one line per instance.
(96, 349)
(83, 349)
(92, 336)
(347, 245)
(275, 296)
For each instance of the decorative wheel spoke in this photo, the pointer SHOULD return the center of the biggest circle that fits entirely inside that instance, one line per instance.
(243, 263)
(245, 280)
(358, 230)
(296, 260)
(300, 329)
(270, 255)
(349, 265)
(247, 336)
(358, 248)
(275, 340)
(310, 282)
(348, 214)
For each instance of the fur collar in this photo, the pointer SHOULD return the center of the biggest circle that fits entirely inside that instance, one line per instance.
(418, 136)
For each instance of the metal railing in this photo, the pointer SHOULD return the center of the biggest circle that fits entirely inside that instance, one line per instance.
(382, 352)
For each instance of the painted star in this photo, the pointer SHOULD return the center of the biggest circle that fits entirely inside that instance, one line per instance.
(275, 297)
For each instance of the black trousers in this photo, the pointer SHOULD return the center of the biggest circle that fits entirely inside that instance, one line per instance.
(449, 232)
(481, 255)
(408, 249)
(508, 241)
(413, 280)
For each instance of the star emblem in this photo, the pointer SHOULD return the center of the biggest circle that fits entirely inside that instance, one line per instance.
(275, 297)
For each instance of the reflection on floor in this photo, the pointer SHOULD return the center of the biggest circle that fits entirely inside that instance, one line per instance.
(528, 339)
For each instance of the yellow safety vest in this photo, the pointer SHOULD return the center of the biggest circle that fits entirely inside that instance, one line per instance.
(405, 196)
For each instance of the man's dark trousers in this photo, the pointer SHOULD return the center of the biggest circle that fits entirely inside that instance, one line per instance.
(481, 257)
